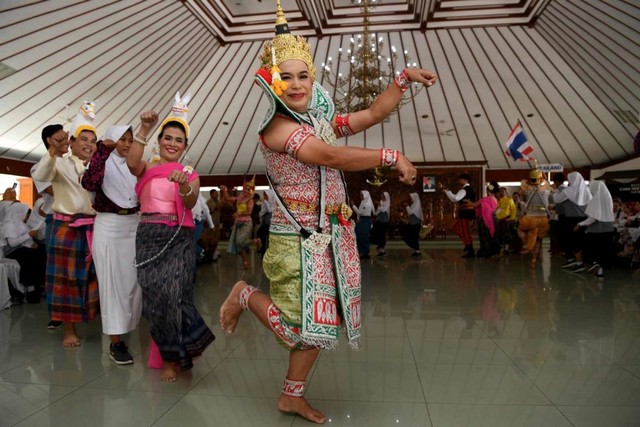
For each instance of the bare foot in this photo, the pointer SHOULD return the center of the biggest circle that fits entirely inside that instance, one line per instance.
(70, 339)
(169, 372)
(230, 309)
(298, 405)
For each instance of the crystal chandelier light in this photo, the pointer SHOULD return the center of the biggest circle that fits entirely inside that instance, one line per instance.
(368, 69)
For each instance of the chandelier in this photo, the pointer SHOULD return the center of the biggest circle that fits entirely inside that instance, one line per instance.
(368, 71)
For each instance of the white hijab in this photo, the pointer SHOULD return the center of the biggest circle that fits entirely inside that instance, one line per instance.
(416, 206)
(577, 191)
(13, 225)
(385, 204)
(366, 207)
(600, 207)
(118, 183)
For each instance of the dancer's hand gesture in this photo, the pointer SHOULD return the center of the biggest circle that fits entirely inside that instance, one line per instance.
(149, 119)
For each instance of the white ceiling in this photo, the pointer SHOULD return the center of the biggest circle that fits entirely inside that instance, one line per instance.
(569, 70)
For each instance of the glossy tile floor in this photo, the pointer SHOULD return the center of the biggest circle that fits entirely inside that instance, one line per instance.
(447, 342)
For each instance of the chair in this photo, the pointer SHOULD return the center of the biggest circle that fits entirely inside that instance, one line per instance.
(9, 271)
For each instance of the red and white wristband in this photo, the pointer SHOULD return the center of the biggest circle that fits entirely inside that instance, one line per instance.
(388, 157)
(403, 81)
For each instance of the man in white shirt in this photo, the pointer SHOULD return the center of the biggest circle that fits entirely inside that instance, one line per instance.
(51, 135)
(72, 298)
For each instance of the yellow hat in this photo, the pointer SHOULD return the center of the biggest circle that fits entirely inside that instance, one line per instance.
(83, 120)
(179, 112)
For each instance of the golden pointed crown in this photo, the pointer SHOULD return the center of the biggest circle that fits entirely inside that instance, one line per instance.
(285, 46)
(251, 183)
(535, 174)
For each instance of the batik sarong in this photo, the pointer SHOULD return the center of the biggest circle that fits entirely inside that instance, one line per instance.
(167, 293)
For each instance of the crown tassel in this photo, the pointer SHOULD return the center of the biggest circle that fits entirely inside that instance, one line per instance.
(277, 84)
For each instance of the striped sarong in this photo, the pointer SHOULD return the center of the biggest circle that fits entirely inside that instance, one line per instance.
(167, 293)
(72, 294)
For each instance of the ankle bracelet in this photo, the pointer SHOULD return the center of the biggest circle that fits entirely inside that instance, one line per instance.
(293, 388)
(245, 295)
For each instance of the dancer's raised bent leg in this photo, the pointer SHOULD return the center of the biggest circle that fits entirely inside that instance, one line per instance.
(232, 308)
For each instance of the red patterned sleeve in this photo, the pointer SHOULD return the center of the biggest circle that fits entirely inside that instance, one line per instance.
(297, 139)
(342, 125)
(94, 175)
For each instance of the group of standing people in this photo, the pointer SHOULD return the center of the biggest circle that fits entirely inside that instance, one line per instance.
(370, 231)
(585, 219)
(131, 220)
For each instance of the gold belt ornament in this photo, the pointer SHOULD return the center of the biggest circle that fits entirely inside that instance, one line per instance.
(305, 207)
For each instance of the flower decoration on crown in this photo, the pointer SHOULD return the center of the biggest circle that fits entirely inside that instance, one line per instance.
(283, 47)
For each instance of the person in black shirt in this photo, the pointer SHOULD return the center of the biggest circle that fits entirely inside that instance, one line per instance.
(466, 213)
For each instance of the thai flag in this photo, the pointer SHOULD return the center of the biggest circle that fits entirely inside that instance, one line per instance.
(517, 145)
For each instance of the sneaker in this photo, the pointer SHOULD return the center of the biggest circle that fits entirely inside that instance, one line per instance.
(594, 267)
(55, 324)
(119, 354)
(570, 263)
(382, 254)
(416, 254)
(578, 267)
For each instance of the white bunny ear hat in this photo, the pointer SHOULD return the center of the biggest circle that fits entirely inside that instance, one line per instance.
(179, 112)
(83, 120)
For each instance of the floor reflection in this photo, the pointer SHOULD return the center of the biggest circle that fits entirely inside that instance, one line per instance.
(447, 342)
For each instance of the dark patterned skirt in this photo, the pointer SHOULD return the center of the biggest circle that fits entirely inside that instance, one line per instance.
(167, 293)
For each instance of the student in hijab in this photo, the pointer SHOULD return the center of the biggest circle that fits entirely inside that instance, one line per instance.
(363, 226)
(266, 210)
(19, 244)
(381, 226)
(598, 229)
(572, 201)
(114, 238)
(411, 231)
